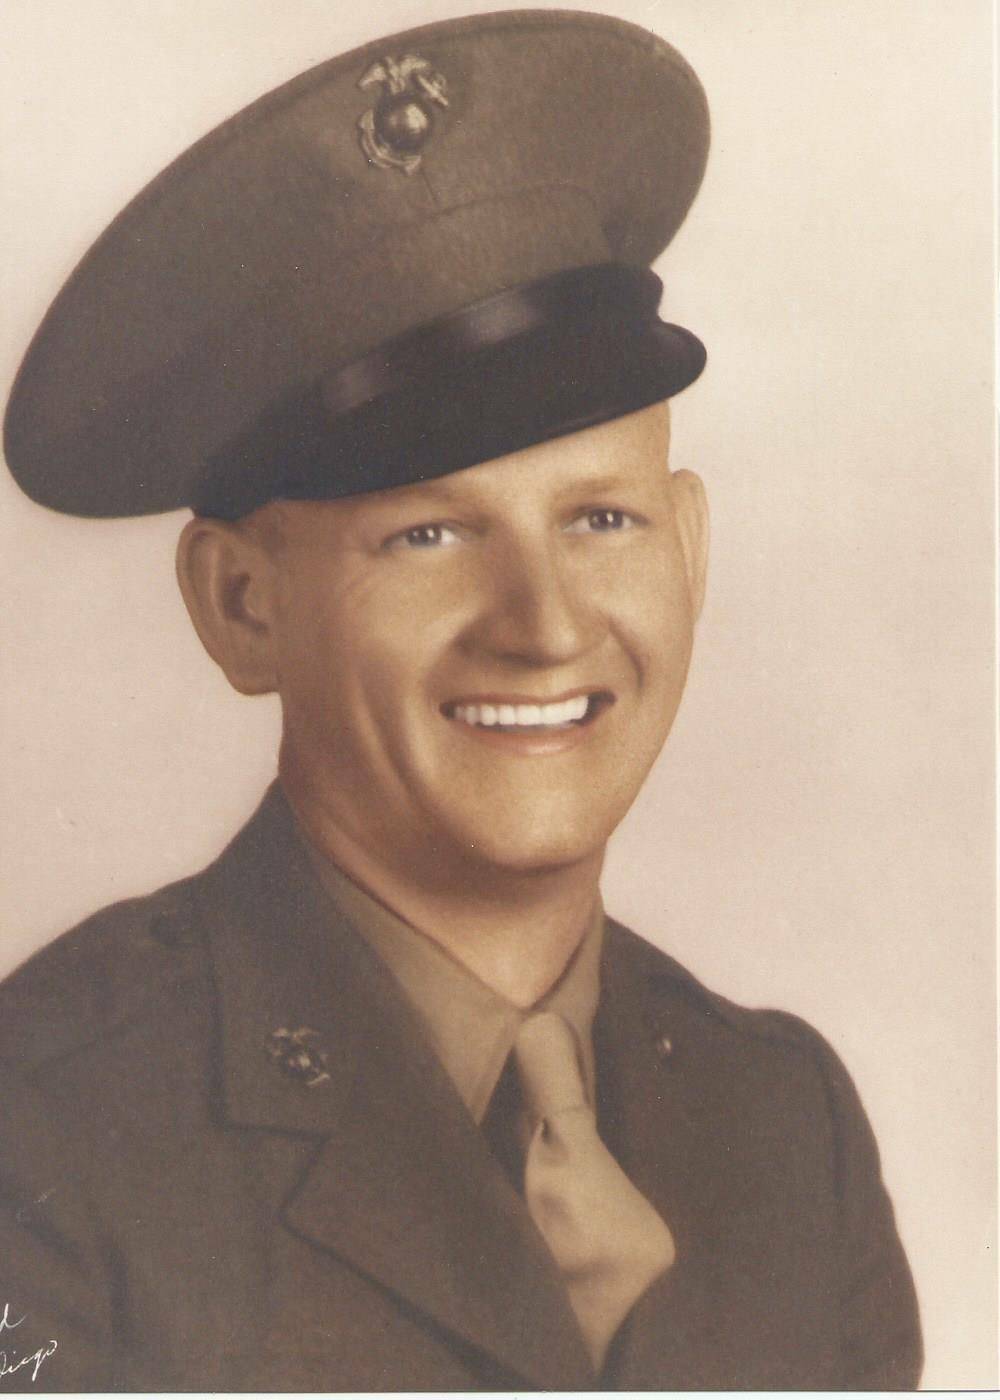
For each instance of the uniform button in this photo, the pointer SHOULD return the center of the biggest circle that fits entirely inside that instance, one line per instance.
(664, 1047)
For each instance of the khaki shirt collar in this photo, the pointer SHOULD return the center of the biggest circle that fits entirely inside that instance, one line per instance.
(471, 1027)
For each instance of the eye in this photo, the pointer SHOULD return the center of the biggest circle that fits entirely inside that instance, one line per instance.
(433, 535)
(602, 520)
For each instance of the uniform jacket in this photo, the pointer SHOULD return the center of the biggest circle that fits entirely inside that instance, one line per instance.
(179, 1211)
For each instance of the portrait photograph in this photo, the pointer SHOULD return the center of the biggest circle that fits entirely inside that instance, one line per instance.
(498, 696)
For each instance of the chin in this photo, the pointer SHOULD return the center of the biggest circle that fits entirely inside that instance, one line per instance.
(535, 844)
(525, 826)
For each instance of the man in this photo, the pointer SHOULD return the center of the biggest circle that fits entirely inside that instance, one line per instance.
(381, 1100)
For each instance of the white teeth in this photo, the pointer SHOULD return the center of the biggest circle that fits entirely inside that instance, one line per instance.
(529, 716)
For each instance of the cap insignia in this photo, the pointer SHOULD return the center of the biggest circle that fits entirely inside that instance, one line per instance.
(292, 1053)
(395, 131)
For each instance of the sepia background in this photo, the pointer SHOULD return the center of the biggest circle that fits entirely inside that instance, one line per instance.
(819, 833)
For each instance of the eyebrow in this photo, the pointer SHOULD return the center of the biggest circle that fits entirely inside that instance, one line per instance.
(438, 494)
(440, 489)
(435, 489)
(613, 481)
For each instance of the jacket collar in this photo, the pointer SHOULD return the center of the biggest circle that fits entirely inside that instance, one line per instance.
(471, 1026)
(403, 1170)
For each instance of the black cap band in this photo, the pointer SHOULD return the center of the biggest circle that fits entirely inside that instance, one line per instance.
(517, 368)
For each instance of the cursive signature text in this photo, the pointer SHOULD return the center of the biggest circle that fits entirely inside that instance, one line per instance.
(11, 1362)
(7, 1321)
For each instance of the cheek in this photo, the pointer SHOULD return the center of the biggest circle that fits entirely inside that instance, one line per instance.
(311, 645)
(651, 608)
(351, 665)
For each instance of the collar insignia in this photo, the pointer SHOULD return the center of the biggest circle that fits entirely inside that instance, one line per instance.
(296, 1057)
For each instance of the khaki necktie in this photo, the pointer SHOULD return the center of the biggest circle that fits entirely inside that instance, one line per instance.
(608, 1241)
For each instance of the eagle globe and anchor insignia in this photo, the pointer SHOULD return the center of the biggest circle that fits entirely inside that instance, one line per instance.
(395, 131)
(299, 1054)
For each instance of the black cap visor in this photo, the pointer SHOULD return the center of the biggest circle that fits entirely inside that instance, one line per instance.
(522, 368)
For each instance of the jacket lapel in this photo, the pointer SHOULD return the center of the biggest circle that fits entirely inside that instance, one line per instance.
(404, 1186)
(651, 1121)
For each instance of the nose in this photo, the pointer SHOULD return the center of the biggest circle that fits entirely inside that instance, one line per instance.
(536, 608)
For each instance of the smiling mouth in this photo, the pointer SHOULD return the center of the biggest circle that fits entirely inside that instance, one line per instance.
(517, 716)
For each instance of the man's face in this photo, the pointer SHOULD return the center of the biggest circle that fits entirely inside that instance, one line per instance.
(482, 669)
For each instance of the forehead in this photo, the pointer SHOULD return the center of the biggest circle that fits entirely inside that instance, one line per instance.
(627, 451)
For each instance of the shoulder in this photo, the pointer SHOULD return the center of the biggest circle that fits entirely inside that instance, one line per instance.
(143, 963)
(668, 981)
(109, 972)
(768, 1051)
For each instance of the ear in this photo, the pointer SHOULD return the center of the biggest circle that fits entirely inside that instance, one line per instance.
(691, 514)
(228, 581)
